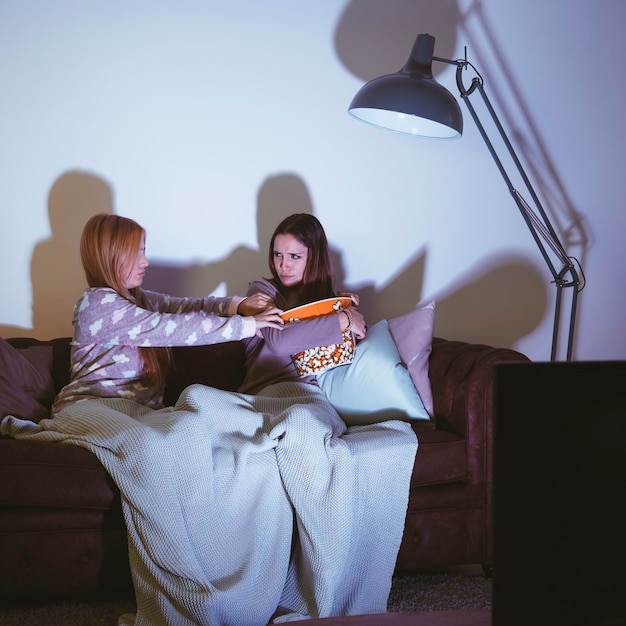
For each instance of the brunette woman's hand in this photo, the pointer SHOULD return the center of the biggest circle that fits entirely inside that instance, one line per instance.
(269, 319)
(357, 322)
(254, 304)
(353, 296)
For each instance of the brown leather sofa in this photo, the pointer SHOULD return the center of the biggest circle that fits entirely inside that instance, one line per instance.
(62, 533)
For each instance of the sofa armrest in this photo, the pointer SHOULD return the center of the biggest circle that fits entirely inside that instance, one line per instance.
(462, 379)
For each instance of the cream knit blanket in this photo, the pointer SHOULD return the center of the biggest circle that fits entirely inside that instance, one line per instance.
(245, 509)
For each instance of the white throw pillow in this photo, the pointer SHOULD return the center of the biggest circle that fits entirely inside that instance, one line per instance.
(376, 386)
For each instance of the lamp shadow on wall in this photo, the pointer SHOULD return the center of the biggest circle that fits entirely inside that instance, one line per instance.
(56, 272)
(374, 38)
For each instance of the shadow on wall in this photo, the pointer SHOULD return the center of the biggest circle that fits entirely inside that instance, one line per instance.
(503, 301)
(373, 38)
(56, 272)
(278, 197)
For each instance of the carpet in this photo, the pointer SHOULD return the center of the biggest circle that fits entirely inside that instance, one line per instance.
(440, 592)
(424, 592)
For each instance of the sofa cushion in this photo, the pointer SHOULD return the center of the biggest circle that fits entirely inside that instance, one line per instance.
(53, 475)
(26, 383)
(61, 356)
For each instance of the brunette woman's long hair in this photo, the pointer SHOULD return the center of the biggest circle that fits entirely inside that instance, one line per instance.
(108, 245)
(317, 282)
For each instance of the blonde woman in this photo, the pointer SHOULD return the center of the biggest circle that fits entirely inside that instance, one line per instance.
(123, 334)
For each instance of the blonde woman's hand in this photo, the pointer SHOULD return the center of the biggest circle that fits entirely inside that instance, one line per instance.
(254, 304)
(269, 319)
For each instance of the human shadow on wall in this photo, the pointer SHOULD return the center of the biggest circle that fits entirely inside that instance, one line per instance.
(505, 293)
(502, 288)
(278, 197)
(56, 271)
(503, 299)
(373, 39)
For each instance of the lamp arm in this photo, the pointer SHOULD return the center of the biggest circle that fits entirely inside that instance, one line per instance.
(538, 222)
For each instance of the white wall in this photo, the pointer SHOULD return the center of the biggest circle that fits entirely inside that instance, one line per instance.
(208, 121)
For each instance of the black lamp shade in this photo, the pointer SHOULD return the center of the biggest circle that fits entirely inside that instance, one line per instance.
(411, 100)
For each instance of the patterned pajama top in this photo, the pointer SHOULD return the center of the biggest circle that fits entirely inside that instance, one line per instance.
(109, 330)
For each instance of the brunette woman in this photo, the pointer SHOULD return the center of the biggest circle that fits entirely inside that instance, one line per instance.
(339, 523)
(301, 268)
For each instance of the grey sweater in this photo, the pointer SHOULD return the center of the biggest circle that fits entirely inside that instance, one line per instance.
(268, 360)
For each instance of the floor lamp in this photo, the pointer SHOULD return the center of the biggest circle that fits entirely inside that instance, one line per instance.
(411, 101)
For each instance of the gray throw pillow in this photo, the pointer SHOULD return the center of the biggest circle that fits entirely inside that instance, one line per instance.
(26, 384)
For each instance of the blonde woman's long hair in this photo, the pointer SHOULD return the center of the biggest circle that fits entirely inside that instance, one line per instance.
(108, 245)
